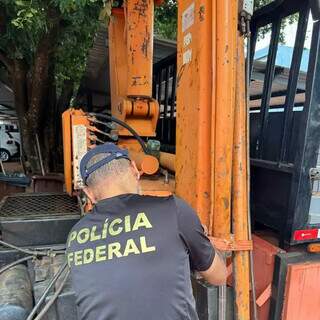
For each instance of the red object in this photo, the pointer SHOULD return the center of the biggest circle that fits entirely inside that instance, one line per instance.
(302, 294)
(307, 234)
(263, 259)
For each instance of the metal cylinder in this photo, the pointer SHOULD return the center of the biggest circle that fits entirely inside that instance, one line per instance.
(240, 191)
(167, 161)
(15, 293)
(139, 47)
(145, 163)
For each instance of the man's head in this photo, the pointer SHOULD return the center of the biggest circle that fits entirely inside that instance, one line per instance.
(107, 171)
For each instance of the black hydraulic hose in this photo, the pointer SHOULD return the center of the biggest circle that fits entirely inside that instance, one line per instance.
(43, 253)
(126, 126)
(53, 298)
(13, 264)
(46, 291)
(27, 251)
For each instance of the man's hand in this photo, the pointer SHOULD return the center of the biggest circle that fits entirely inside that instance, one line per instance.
(217, 273)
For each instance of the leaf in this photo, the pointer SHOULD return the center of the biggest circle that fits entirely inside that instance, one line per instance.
(15, 23)
(20, 3)
(105, 13)
(20, 12)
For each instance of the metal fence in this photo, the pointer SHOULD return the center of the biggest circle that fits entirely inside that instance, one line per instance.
(164, 90)
(285, 136)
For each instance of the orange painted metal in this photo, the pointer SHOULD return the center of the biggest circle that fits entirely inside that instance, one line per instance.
(117, 59)
(314, 247)
(194, 105)
(131, 53)
(67, 149)
(139, 28)
(213, 110)
(140, 114)
(231, 245)
(240, 191)
(264, 296)
(167, 161)
(263, 259)
(158, 187)
(72, 119)
(145, 163)
(302, 294)
(227, 13)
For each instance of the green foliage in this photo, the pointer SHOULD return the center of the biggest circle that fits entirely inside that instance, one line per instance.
(267, 29)
(29, 21)
(261, 3)
(165, 25)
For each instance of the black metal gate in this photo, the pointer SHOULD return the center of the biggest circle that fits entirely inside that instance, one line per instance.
(285, 127)
(164, 90)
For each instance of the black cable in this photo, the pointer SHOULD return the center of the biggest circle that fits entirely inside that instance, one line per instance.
(13, 264)
(53, 298)
(46, 291)
(43, 253)
(123, 124)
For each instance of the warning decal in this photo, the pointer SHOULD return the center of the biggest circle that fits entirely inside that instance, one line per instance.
(188, 17)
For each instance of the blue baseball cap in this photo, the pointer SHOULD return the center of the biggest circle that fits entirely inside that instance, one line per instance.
(114, 153)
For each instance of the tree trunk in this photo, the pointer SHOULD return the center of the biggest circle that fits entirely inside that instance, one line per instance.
(19, 79)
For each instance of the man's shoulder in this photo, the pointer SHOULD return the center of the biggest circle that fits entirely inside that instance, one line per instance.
(83, 222)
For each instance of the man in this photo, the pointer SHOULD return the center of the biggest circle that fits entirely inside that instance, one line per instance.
(130, 258)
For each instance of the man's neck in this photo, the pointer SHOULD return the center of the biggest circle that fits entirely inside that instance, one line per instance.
(114, 192)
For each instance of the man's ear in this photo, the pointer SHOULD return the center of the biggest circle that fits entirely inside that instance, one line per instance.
(135, 170)
(90, 195)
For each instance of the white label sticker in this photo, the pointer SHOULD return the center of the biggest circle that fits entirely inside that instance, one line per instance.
(79, 139)
(318, 233)
(188, 17)
(187, 56)
(187, 39)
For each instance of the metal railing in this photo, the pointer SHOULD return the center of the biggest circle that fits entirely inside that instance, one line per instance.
(164, 90)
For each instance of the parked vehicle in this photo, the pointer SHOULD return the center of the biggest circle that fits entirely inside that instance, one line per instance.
(8, 146)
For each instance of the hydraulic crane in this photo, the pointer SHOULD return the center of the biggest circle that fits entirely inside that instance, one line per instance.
(211, 119)
(210, 168)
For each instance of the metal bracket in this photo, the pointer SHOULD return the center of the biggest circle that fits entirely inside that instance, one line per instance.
(314, 176)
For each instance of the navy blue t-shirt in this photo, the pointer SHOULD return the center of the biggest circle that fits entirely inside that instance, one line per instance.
(131, 259)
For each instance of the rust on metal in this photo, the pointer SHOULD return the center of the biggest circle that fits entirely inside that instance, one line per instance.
(240, 190)
(194, 107)
(226, 36)
(139, 30)
(231, 245)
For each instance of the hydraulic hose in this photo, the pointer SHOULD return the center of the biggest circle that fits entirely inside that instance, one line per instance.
(53, 298)
(46, 291)
(124, 125)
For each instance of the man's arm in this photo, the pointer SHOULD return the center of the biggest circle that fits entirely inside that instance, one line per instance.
(204, 258)
(217, 272)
